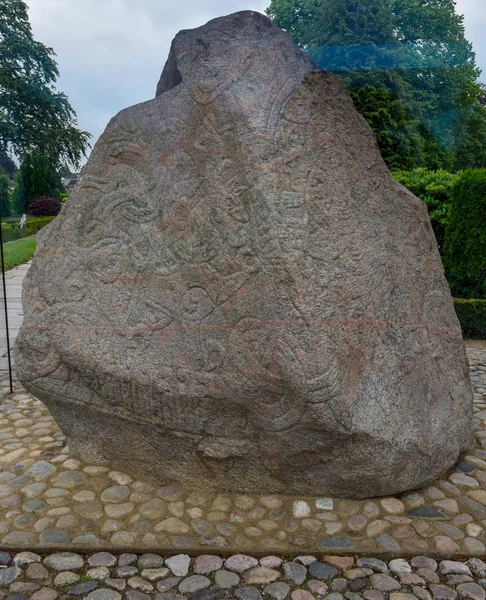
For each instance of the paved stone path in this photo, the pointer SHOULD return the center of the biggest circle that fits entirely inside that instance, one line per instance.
(106, 576)
(50, 499)
(14, 279)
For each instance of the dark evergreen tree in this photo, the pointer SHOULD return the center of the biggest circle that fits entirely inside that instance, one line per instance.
(394, 129)
(471, 150)
(353, 35)
(4, 195)
(8, 165)
(35, 178)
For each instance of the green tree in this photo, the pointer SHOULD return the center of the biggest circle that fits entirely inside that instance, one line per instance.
(394, 129)
(8, 165)
(471, 150)
(33, 115)
(18, 195)
(352, 34)
(435, 188)
(299, 19)
(4, 195)
(415, 49)
(465, 239)
(35, 178)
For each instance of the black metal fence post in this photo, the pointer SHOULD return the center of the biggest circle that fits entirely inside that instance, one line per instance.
(6, 311)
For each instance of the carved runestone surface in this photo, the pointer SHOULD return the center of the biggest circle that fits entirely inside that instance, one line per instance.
(239, 295)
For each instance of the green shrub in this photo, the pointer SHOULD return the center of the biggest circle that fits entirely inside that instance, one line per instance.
(31, 227)
(8, 233)
(472, 316)
(43, 221)
(45, 206)
(11, 229)
(465, 238)
(435, 189)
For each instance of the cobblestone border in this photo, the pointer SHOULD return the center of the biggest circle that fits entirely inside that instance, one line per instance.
(106, 576)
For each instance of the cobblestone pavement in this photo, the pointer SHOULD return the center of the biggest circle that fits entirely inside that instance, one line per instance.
(49, 499)
(105, 576)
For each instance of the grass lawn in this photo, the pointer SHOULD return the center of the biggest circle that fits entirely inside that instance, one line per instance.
(19, 252)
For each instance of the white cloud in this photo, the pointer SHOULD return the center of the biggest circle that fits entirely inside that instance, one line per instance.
(111, 52)
(474, 12)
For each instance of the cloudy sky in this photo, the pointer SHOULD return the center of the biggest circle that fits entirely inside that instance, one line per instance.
(111, 52)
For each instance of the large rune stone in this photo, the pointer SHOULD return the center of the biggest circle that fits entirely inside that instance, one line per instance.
(239, 295)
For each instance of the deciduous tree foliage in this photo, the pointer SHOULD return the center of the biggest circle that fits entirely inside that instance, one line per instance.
(415, 49)
(33, 115)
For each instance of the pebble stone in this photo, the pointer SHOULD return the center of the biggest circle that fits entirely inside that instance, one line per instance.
(45, 594)
(155, 574)
(260, 575)
(64, 561)
(319, 570)
(179, 564)
(295, 572)
(384, 583)
(317, 587)
(9, 575)
(25, 558)
(104, 594)
(193, 584)
(206, 564)
(272, 562)
(102, 559)
(248, 593)
(301, 595)
(150, 561)
(226, 579)
(399, 565)
(424, 562)
(375, 564)
(471, 591)
(477, 567)
(66, 578)
(277, 591)
(451, 566)
(240, 563)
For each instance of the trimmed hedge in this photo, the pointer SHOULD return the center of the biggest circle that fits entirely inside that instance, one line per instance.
(472, 316)
(465, 238)
(9, 233)
(11, 230)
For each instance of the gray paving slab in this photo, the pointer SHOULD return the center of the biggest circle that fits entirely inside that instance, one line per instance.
(13, 280)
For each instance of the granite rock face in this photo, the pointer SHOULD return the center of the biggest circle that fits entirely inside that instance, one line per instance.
(239, 295)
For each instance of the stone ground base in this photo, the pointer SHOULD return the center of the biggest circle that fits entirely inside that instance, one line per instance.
(105, 576)
(50, 499)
